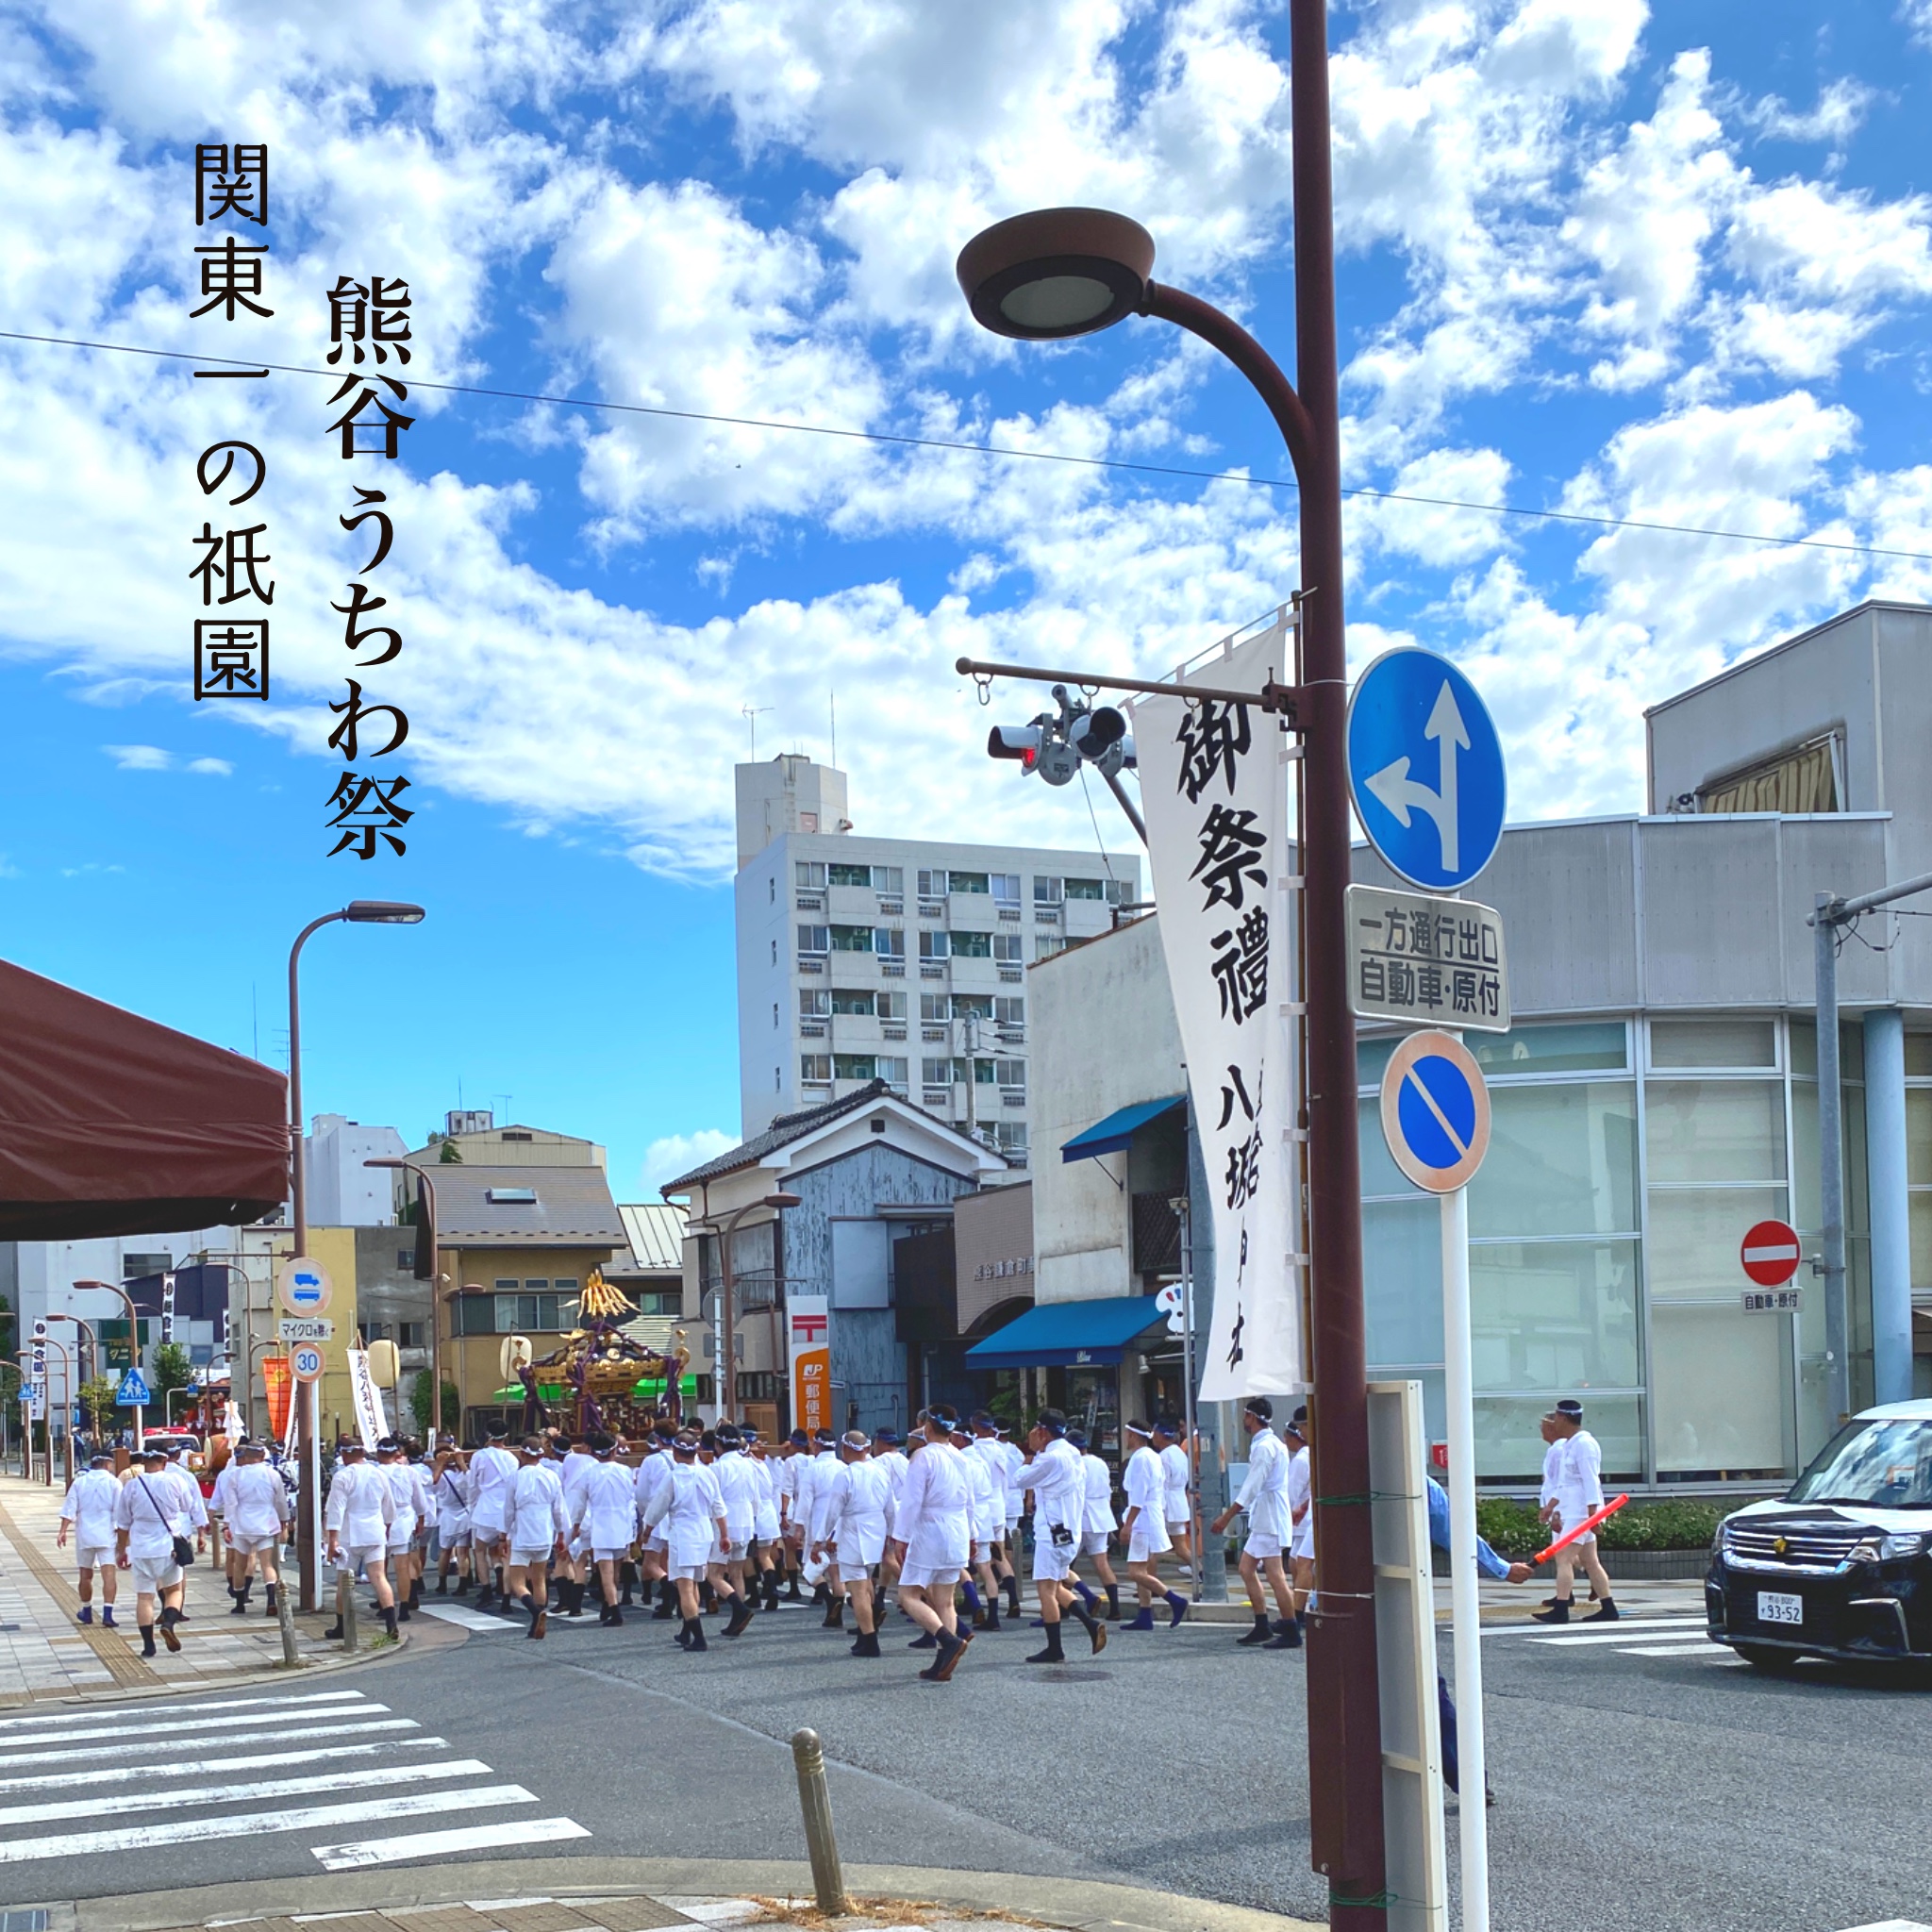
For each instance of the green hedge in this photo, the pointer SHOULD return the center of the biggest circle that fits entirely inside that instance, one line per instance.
(1512, 1528)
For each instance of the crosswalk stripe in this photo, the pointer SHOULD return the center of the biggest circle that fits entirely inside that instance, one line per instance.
(1618, 1633)
(1603, 1633)
(145, 1773)
(388, 1724)
(236, 1794)
(468, 1619)
(177, 1706)
(428, 1844)
(139, 1838)
(1704, 1648)
(9, 1745)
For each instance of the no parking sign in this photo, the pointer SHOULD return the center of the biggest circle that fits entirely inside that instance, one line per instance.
(1435, 1111)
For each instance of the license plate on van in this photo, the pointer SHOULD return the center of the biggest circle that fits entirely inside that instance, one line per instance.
(1775, 1607)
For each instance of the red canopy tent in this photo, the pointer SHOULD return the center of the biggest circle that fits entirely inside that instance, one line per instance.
(111, 1124)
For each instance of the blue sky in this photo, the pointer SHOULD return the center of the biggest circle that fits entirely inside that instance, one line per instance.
(1673, 265)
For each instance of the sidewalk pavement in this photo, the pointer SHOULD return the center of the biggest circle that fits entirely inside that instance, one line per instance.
(44, 1653)
(600, 1894)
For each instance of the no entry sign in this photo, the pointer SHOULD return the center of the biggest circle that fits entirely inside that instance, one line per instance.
(1769, 1254)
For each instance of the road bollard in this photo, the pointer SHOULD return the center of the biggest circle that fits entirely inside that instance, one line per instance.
(815, 1800)
(285, 1616)
(346, 1604)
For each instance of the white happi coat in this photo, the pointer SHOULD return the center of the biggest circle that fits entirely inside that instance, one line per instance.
(690, 1506)
(1174, 1474)
(934, 1520)
(1579, 1479)
(606, 1508)
(1264, 1495)
(1146, 1488)
(492, 1470)
(859, 1527)
(1100, 1519)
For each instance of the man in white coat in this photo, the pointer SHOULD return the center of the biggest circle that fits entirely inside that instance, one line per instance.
(1579, 1486)
(987, 1506)
(397, 1474)
(1002, 1463)
(765, 1530)
(1177, 1486)
(361, 1507)
(738, 1488)
(493, 1470)
(450, 1492)
(691, 1510)
(574, 1573)
(1096, 1537)
(538, 1527)
(1301, 1509)
(1271, 1528)
(605, 1519)
(88, 1511)
(934, 1535)
(890, 1458)
(654, 1560)
(257, 1520)
(149, 1518)
(1145, 1528)
(1057, 1481)
(857, 1533)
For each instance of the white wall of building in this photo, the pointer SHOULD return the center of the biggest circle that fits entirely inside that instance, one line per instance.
(341, 1191)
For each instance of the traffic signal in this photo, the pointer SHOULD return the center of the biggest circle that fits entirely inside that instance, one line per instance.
(1101, 736)
(1020, 741)
(1054, 743)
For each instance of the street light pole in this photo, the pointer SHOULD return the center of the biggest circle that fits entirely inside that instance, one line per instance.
(133, 1341)
(307, 1403)
(1067, 271)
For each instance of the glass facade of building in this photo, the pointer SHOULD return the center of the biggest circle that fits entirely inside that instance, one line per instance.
(1627, 1159)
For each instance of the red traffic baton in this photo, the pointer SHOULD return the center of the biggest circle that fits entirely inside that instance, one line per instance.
(1583, 1529)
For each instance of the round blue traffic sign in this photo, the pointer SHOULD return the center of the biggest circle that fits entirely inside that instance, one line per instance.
(1435, 1111)
(1425, 769)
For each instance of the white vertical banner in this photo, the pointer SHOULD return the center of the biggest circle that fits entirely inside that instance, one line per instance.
(1214, 794)
(371, 1423)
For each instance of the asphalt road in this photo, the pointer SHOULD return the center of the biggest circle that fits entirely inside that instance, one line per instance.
(1636, 1793)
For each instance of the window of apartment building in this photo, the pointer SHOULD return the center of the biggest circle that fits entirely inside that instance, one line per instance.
(1048, 944)
(1085, 888)
(810, 875)
(888, 942)
(522, 1313)
(978, 882)
(1010, 1137)
(1007, 948)
(976, 1005)
(405, 1260)
(851, 999)
(814, 939)
(852, 939)
(1005, 888)
(935, 1072)
(982, 1071)
(815, 1003)
(1009, 1012)
(972, 945)
(1047, 892)
(849, 874)
(935, 945)
(890, 1006)
(891, 1069)
(1011, 1073)
(932, 885)
(888, 878)
(933, 1009)
(659, 1301)
(814, 1066)
(376, 1331)
(855, 1066)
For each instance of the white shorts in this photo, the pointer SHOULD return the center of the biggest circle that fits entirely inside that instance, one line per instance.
(686, 1572)
(600, 1554)
(1051, 1563)
(354, 1559)
(454, 1534)
(735, 1553)
(1260, 1544)
(402, 1545)
(657, 1546)
(982, 1552)
(1145, 1540)
(924, 1575)
(1177, 1528)
(253, 1545)
(151, 1578)
(94, 1556)
(1095, 1542)
(1012, 1530)
(522, 1555)
(1582, 1543)
(485, 1533)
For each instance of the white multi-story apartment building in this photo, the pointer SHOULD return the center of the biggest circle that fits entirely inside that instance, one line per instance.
(898, 960)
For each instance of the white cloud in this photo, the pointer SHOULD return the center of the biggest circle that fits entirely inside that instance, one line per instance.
(140, 758)
(212, 768)
(676, 1154)
(1843, 105)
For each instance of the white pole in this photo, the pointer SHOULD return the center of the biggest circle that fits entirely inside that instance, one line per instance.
(1465, 1605)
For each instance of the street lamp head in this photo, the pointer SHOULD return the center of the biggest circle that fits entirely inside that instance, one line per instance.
(387, 1161)
(382, 913)
(1056, 272)
(782, 1199)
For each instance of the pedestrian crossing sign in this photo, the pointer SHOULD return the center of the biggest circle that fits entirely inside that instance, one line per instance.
(133, 1392)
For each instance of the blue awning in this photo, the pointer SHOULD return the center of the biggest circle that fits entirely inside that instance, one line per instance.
(1111, 1135)
(1067, 1335)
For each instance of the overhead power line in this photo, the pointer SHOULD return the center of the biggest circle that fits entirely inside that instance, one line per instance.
(991, 449)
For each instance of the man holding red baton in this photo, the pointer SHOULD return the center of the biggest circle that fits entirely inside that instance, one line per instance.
(1577, 1481)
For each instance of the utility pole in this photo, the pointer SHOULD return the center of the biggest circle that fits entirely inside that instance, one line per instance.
(1832, 917)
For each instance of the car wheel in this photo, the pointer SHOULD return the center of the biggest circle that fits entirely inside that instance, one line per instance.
(1763, 1657)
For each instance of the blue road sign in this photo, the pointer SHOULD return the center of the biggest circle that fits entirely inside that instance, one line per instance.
(1425, 768)
(133, 1392)
(1435, 1111)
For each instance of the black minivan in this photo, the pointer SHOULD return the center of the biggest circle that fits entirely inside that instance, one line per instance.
(1841, 1566)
